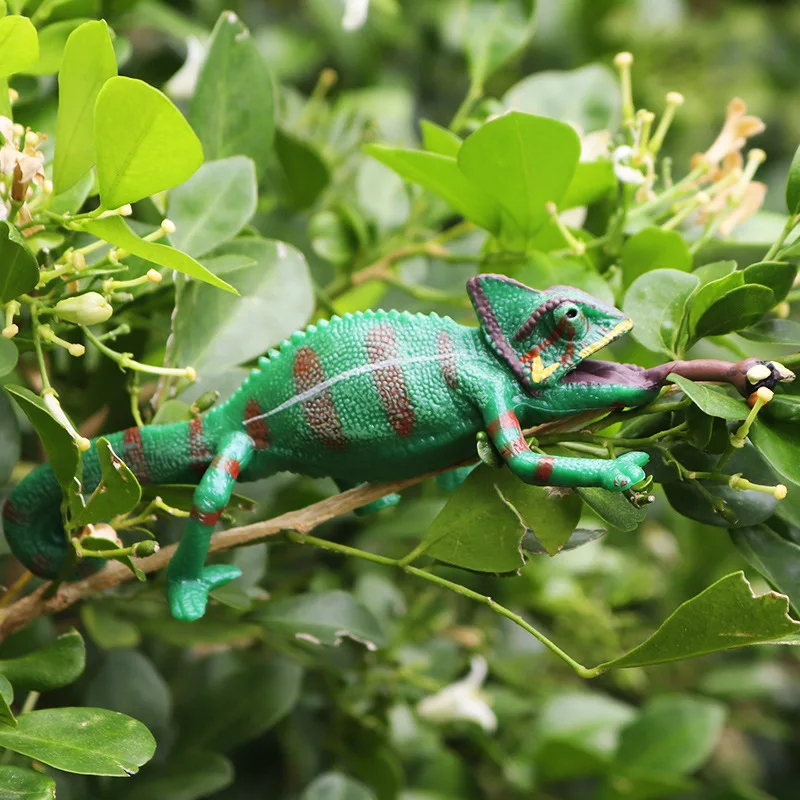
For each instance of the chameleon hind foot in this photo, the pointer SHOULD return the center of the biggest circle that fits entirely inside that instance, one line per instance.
(188, 597)
(623, 472)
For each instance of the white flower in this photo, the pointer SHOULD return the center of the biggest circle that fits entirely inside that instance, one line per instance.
(355, 14)
(462, 700)
(182, 83)
(625, 173)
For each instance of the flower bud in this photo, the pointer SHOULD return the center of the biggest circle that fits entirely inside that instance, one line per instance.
(168, 226)
(85, 309)
(145, 548)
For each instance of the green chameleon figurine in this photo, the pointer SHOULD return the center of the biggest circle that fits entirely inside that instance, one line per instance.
(383, 395)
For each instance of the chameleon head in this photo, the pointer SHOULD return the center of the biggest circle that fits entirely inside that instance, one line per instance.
(542, 335)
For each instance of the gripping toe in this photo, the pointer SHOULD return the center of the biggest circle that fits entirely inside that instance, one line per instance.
(188, 598)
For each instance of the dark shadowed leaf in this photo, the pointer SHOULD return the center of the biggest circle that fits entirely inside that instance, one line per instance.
(724, 616)
(613, 508)
(774, 331)
(740, 308)
(89, 741)
(10, 438)
(333, 786)
(305, 173)
(793, 185)
(579, 537)
(6, 699)
(189, 776)
(19, 272)
(57, 664)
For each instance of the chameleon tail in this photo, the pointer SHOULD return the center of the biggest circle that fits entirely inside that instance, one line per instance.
(32, 513)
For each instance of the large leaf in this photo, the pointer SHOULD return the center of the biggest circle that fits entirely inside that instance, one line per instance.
(674, 735)
(775, 275)
(334, 786)
(715, 403)
(117, 493)
(214, 331)
(62, 452)
(188, 776)
(588, 97)
(115, 230)
(232, 107)
(19, 45)
(658, 304)
(52, 42)
(213, 205)
(523, 162)
(25, 784)
(19, 272)
(87, 64)
(227, 717)
(441, 175)
(89, 741)
(143, 143)
(55, 665)
(653, 248)
(323, 618)
(776, 558)
(724, 616)
(740, 308)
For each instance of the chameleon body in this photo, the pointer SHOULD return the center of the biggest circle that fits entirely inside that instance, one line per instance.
(373, 396)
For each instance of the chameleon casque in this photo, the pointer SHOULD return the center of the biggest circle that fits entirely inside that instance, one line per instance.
(381, 396)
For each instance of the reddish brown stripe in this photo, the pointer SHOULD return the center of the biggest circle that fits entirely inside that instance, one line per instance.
(557, 333)
(199, 454)
(507, 419)
(514, 448)
(320, 410)
(544, 469)
(258, 429)
(12, 514)
(134, 455)
(390, 381)
(447, 350)
(230, 466)
(41, 565)
(206, 517)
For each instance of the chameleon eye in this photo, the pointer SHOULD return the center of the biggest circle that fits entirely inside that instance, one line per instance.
(572, 313)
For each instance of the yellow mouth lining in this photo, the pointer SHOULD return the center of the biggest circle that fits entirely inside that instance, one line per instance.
(539, 372)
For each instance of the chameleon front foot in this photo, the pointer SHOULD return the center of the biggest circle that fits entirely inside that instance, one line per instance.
(623, 472)
(188, 597)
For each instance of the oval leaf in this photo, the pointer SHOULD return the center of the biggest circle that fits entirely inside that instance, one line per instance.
(653, 248)
(25, 784)
(57, 664)
(143, 143)
(19, 45)
(714, 403)
(89, 741)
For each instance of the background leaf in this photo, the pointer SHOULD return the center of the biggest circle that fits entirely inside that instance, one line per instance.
(19, 271)
(653, 248)
(333, 786)
(57, 664)
(19, 45)
(25, 784)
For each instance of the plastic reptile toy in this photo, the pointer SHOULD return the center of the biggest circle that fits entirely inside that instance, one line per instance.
(383, 395)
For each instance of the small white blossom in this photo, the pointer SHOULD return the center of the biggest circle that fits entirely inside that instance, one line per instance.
(462, 700)
(625, 173)
(355, 14)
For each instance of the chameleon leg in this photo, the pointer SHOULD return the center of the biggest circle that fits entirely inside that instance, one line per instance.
(612, 474)
(188, 580)
(451, 480)
(390, 501)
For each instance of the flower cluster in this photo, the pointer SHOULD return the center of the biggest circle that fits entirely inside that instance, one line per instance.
(21, 165)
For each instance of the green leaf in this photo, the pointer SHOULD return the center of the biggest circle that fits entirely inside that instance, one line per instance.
(19, 271)
(714, 403)
(10, 438)
(25, 784)
(88, 63)
(227, 717)
(776, 558)
(334, 786)
(779, 444)
(213, 205)
(323, 618)
(793, 185)
(19, 45)
(613, 508)
(592, 181)
(578, 538)
(187, 776)
(739, 308)
(8, 356)
(232, 107)
(588, 97)
(6, 699)
(653, 248)
(117, 493)
(143, 143)
(658, 303)
(674, 735)
(774, 331)
(55, 665)
(543, 269)
(214, 331)
(442, 176)
(52, 41)
(89, 741)
(106, 629)
(62, 452)
(436, 139)
(776, 275)
(491, 32)
(724, 616)
(115, 230)
(522, 162)
(305, 173)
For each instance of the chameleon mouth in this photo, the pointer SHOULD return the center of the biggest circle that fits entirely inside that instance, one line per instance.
(617, 331)
(610, 373)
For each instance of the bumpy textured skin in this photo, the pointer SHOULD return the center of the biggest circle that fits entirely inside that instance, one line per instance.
(371, 396)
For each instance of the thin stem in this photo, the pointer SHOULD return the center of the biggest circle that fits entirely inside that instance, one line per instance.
(37, 346)
(460, 117)
(15, 588)
(787, 229)
(126, 362)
